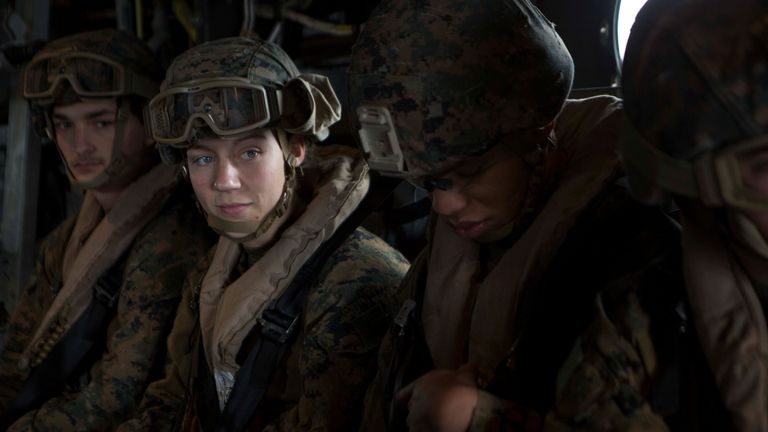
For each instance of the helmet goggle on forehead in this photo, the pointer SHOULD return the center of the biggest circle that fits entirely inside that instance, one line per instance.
(229, 106)
(89, 75)
(723, 177)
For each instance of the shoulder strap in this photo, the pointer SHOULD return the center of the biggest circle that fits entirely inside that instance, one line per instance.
(277, 324)
(75, 352)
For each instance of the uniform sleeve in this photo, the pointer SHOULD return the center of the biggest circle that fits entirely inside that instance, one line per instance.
(154, 272)
(602, 383)
(33, 302)
(338, 353)
(164, 400)
(380, 394)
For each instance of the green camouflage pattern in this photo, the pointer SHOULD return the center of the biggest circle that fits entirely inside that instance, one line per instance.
(260, 62)
(159, 259)
(459, 77)
(612, 240)
(332, 361)
(605, 381)
(694, 82)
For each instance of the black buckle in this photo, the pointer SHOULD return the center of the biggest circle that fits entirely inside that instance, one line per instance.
(277, 326)
(405, 315)
(104, 297)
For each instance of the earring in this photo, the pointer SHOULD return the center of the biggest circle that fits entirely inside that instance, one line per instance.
(184, 171)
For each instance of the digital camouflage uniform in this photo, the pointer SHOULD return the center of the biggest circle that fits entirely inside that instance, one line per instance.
(457, 79)
(159, 260)
(682, 344)
(320, 381)
(170, 238)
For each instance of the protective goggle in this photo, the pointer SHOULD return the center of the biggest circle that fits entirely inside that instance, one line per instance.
(736, 175)
(228, 106)
(742, 171)
(89, 75)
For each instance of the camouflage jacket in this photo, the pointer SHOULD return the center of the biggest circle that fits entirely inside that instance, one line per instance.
(322, 379)
(611, 240)
(613, 236)
(158, 261)
(639, 365)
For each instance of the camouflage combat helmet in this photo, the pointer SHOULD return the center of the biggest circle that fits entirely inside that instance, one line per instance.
(696, 92)
(233, 86)
(435, 81)
(100, 64)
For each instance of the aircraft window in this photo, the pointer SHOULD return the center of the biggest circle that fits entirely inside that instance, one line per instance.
(628, 9)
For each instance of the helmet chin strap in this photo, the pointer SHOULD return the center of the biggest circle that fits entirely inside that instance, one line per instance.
(256, 228)
(117, 163)
(537, 189)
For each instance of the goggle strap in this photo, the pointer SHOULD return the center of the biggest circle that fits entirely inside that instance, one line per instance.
(140, 85)
(729, 176)
(707, 180)
(674, 175)
(282, 140)
(692, 47)
(274, 103)
(145, 113)
(52, 135)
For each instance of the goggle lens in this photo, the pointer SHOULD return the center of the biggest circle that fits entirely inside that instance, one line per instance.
(225, 109)
(742, 171)
(88, 76)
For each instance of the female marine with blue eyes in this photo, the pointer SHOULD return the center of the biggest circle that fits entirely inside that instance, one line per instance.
(266, 338)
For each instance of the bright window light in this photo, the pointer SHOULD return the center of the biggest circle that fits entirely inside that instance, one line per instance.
(628, 10)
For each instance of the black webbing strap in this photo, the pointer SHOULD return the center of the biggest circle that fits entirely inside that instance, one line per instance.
(74, 353)
(408, 213)
(278, 322)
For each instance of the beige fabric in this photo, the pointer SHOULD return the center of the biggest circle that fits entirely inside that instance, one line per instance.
(311, 106)
(228, 312)
(729, 318)
(88, 218)
(85, 261)
(466, 322)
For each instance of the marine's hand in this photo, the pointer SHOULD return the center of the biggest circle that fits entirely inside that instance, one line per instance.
(441, 400)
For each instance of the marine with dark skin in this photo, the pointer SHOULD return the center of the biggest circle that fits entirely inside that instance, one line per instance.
(469, 101)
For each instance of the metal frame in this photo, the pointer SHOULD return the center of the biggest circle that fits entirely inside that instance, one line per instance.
(22, 166)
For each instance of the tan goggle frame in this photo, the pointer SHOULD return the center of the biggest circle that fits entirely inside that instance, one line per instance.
(714, 178)
(127, 83)
(265, 99)
(729, 173)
